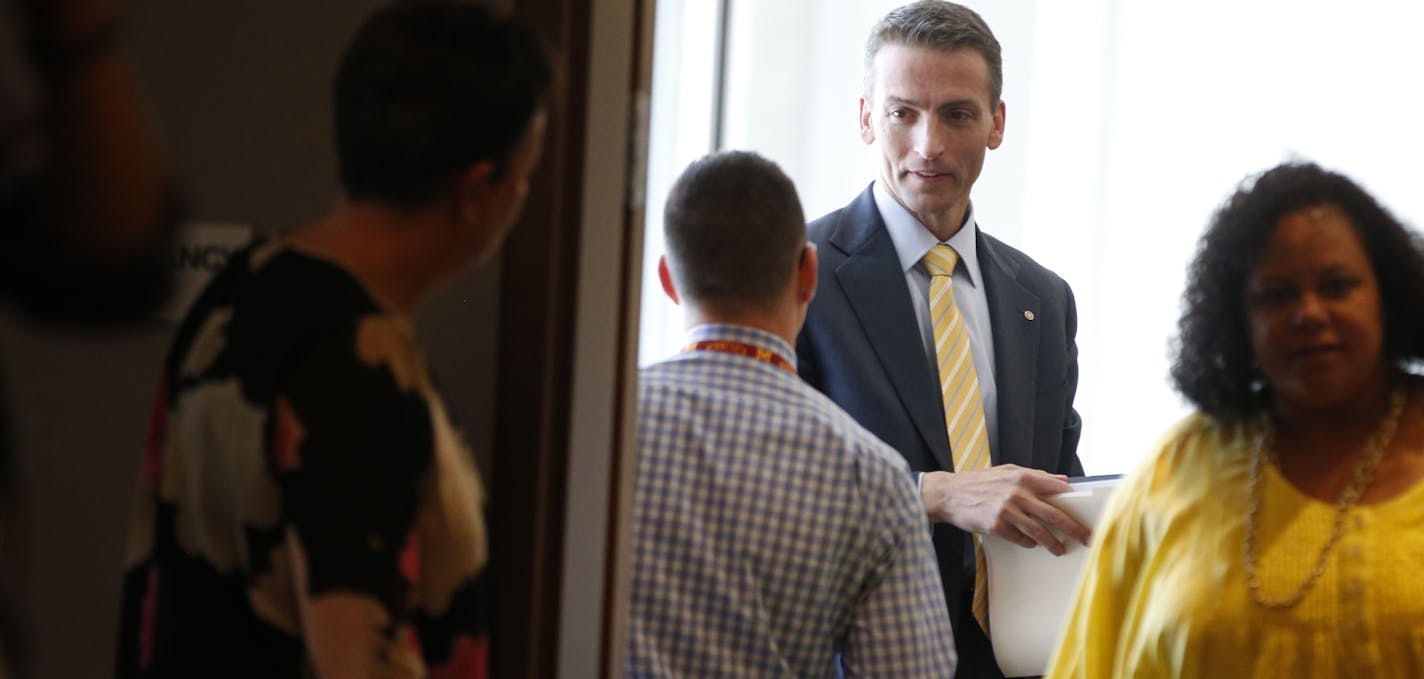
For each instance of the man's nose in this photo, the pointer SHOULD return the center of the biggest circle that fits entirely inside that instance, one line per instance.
(929, 139)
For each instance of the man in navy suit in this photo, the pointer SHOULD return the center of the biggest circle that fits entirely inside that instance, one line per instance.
(931, 108)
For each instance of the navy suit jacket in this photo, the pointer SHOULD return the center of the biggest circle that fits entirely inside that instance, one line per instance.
(861, 346)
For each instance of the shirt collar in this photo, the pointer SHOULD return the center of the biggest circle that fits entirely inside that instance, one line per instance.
(744, 334)
(912, 240)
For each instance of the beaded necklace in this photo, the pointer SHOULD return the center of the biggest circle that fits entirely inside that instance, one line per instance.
(1349, 497)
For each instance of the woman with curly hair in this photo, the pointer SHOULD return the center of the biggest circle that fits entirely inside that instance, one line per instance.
(1276, 532)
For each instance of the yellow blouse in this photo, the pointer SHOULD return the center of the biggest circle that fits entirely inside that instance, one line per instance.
(1163, 593)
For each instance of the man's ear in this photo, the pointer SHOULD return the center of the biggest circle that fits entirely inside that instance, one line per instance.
(473, 190)
(996, 137)
(806, 273)
(867, 129)
(666, 277)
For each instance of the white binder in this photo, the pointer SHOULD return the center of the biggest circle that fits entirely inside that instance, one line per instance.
(1030, 589)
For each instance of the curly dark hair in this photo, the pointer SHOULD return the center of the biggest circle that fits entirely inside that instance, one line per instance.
(1215, 367)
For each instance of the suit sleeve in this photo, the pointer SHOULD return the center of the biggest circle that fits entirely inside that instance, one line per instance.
(1068, 462)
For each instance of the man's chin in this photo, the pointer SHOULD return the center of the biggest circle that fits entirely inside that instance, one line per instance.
(923, 205)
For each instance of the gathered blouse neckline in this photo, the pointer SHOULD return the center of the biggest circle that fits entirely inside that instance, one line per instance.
(1274, 477)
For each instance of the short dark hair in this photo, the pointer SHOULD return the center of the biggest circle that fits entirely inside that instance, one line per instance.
(1215, 367)
(938, 25)
(734, 228)
(429, 88)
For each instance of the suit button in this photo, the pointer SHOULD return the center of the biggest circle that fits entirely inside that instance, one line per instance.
(1028, 315)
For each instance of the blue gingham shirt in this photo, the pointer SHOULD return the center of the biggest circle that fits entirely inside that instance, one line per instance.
(771, 531)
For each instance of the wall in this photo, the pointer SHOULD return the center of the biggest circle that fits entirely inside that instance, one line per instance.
(239, 95)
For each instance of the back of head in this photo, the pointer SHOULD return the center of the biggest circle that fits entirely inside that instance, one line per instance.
(938, 25)
(734, 229)
(1215, 367)
(429, 88)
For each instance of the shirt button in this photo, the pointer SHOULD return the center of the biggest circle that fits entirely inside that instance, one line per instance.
(1354, 587)
(1353, 551)
(1359, 521)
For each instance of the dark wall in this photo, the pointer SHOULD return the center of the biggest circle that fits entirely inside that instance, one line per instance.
(238, 91)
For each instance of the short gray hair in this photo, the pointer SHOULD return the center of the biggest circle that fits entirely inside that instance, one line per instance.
(938, 25)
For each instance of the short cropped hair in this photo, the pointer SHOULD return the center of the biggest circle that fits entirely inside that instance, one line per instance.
(938, 25)
(734, 228)
(429, 88)
(1215, 367)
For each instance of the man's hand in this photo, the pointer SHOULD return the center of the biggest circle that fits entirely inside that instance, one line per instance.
(1004, 500)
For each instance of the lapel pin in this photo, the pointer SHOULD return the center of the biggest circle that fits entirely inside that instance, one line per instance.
(1028, 315)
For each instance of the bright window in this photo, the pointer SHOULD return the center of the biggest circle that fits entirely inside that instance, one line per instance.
(1128, 123)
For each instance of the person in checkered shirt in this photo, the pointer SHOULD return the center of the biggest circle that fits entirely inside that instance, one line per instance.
(773, 536)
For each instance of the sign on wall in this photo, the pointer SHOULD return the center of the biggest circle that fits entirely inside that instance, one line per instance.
(200, 250)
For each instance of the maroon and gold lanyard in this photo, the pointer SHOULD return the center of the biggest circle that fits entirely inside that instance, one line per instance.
(743, 349)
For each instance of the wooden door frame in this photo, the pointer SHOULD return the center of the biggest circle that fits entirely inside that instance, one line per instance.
(564, 398)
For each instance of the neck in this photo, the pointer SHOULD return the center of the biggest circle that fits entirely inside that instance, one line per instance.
(399, 256)
(944, 225)
(784, 323)
(1332, 428)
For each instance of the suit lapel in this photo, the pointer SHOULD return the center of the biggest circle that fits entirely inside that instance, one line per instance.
(1015, 352)
(874, 287)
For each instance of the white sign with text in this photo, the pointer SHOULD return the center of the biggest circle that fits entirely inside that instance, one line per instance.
(200, 250)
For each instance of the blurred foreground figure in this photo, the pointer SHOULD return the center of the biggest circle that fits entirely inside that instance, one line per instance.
(85, 215)
(306, 506)
(1277, 532)
(83, 211)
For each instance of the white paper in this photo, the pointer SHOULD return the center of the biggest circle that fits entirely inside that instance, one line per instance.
(1030, 589)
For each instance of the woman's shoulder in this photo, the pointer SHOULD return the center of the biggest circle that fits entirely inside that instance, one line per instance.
(1195, 450)
(1194, 429)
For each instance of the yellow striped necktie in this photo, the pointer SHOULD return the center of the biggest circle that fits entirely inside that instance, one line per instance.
(959, 385)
